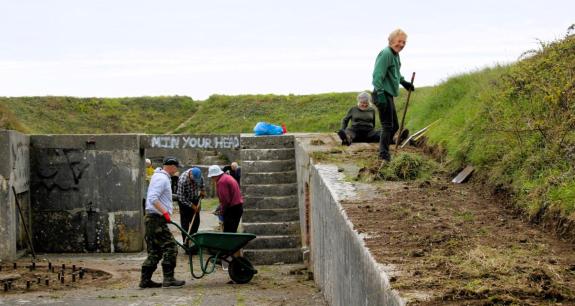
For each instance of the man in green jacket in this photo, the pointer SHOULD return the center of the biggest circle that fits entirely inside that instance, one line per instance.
(386, 80)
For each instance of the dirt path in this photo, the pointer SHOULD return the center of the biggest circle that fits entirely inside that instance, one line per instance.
(448, 244)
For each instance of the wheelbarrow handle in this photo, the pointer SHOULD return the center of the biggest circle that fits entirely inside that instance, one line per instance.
(184, 232)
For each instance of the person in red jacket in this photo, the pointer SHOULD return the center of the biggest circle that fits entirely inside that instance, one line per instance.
(230, 197)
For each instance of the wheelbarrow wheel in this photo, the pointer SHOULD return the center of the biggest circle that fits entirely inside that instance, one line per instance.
(241, 270)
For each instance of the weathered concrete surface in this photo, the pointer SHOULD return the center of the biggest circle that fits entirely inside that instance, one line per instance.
(343, 267)
(268, 165)
(86, 193)
(249, 141)
(271, 202)
(14, 175)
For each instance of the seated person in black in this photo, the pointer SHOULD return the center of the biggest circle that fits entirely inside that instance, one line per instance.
(362, 119)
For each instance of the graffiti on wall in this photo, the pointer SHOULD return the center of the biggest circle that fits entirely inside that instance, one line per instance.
(195, 142)
(63, 171)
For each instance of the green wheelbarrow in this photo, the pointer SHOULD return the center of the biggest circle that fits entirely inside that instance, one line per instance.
(214, 246)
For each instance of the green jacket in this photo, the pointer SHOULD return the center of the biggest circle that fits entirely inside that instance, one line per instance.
(386, 75)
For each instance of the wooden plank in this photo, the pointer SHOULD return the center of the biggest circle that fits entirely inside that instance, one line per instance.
(422, 131)
(463, 175)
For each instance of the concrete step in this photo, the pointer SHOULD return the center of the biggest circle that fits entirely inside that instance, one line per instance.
(273, 256)
(208, 153)
(212, 160)
(267, 154)
(260, 178)
(271, 215)
(267, 142)
(268, 165)
(269, 190)
(272, 228)
(274, 242)
(290, 201)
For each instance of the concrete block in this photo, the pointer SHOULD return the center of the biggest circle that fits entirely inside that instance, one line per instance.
(272, 228)
(274, 242)
(273, 256)
(269, 190)
(271, 215)
(271, 202)
(268, 165)
(62, 231)
(87, 197)
(264, 178)
(266, 142)
(267, 154)
(14, 178)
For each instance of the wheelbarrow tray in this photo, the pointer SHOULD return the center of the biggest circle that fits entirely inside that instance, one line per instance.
(227, 243)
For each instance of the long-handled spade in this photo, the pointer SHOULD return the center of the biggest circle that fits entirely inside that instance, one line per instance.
(196, 212)
(403, 117)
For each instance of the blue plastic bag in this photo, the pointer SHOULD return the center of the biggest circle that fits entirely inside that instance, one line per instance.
(264, 128)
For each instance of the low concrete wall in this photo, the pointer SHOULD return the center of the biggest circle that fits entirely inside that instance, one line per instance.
(14, 175)
(86, 193)
(343, 267)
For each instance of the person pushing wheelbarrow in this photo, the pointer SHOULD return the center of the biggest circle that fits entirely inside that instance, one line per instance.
(159, 240)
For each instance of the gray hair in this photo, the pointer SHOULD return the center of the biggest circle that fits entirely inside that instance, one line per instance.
(395, 33)
(364, 96)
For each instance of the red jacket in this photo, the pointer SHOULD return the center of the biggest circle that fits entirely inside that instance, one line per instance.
(228, 192)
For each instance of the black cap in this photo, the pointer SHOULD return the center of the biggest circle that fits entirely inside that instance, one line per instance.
(171, 161)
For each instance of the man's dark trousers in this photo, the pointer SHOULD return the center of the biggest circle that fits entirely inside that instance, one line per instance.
(389, 124)
(186, 216)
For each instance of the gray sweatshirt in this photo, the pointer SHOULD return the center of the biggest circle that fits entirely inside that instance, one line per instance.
(160, 188)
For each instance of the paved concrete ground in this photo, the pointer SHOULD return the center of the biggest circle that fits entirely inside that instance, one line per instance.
(273, 285)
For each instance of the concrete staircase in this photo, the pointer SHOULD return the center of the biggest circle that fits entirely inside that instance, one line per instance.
(210, 157)
(269, 187)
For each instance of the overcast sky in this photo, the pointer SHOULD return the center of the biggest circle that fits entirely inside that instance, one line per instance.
(108, 48)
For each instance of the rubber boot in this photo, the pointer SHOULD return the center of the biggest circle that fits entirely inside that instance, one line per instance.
(384, 142)
(146, 280)
(169, 280)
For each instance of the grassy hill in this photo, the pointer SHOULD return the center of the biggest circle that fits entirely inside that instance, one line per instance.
(69, 115)
(309, 113)
(516, 124)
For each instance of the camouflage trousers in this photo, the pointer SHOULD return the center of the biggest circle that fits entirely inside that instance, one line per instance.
(160, 242)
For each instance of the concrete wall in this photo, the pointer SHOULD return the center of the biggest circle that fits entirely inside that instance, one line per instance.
(14, 175)
(343, 267)
(87, 193)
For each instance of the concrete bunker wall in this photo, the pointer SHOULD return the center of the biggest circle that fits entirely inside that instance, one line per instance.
(14, 176)
(343, 267)
(86, 193)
